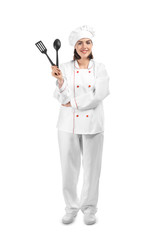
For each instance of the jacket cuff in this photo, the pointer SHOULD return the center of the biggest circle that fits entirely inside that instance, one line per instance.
(63, 86)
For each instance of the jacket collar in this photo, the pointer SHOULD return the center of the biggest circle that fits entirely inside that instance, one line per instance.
(90, 65)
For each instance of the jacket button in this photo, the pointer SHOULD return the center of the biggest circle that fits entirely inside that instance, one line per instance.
(89, 71)
(77, 86)
(86, 115)
(77, 71)
(89, 86)
(77, 115)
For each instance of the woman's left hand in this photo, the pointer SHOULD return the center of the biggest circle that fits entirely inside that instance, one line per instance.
(67, 104)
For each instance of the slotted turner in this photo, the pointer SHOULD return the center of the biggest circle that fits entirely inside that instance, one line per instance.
(43, 49)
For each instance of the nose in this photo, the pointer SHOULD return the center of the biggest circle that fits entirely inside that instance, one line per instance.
(84, 45)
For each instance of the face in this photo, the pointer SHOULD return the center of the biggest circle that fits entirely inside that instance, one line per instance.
(84, 47)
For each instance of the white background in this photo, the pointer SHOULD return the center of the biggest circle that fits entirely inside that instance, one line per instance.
(128, 43)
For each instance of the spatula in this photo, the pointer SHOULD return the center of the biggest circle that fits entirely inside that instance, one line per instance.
(43, 49)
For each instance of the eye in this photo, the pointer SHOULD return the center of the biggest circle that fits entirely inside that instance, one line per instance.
(79, 43)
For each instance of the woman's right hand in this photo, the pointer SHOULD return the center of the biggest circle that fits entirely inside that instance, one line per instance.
(56, 72)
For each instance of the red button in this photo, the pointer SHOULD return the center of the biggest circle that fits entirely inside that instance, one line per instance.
(86, 115)
(89, 86)
(89, 71)
(77, 115)
(77, 71)
(77, 86)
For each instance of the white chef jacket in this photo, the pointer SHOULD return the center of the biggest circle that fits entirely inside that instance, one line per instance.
(85, 89)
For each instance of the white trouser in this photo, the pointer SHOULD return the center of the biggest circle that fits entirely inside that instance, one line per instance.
(71, 146)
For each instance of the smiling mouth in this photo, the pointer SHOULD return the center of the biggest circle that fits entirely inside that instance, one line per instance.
(84, 51)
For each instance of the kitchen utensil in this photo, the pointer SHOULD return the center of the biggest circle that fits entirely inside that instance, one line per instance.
(43, 49)
(57, 45)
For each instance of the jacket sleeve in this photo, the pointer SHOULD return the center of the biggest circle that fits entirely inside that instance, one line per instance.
(96, 95)
(62, 94)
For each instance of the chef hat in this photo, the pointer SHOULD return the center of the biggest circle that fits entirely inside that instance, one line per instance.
(84, 31)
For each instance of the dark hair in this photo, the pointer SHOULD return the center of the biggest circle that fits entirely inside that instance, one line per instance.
(76, 55)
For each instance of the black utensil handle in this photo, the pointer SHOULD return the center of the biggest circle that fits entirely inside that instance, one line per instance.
(50, 60)
(57, 63)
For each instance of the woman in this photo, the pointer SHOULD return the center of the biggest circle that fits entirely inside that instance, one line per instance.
(81, 86)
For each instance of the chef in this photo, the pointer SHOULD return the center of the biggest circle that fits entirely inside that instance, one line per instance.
(81, 86)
